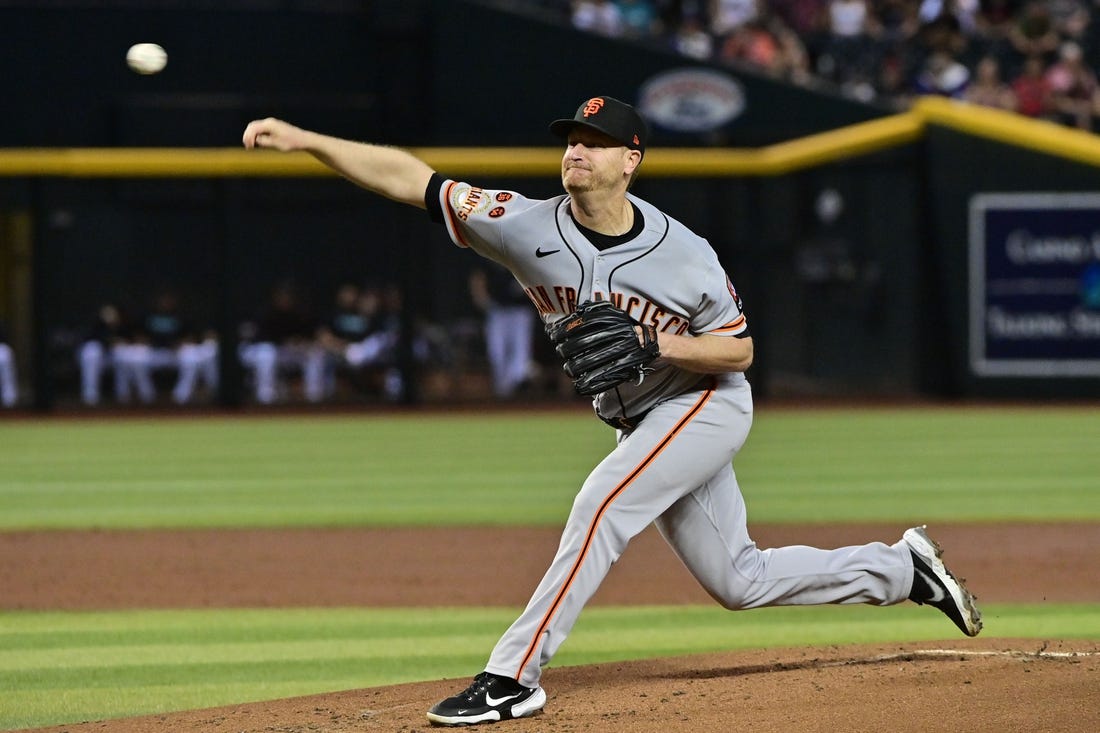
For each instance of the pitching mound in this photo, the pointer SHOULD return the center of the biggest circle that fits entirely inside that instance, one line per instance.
(993, 685)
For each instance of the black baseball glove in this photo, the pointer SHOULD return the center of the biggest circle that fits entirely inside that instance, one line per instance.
(602, 348)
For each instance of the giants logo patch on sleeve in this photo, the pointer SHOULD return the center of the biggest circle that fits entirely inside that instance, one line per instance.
(736, 297)
(466, 200)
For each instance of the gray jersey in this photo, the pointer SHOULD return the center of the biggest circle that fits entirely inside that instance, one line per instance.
(666, 275)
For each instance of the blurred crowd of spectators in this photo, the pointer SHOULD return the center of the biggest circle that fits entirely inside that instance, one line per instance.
(1034, 57)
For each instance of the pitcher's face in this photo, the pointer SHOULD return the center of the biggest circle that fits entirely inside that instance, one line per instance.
(594, 161)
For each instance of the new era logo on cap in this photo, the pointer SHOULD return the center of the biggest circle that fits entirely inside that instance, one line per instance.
(609, 116)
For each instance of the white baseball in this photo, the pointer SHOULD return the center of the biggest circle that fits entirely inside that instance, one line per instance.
(146, 58)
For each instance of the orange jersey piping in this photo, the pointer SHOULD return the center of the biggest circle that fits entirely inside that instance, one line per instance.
(731, 326)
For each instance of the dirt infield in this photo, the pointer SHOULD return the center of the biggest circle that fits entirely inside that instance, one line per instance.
(985, 684)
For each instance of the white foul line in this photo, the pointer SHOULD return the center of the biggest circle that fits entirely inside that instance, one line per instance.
(1040, 654)
(929, 653)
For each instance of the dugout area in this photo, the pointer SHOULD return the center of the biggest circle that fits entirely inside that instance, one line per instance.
(115, 184)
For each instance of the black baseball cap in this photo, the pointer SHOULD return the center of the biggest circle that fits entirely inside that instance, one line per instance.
(609, 116)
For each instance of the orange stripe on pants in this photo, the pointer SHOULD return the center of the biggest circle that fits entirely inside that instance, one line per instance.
(594, 525)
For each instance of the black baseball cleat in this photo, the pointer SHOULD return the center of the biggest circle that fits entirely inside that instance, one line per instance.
(489, 699)
(934, 585)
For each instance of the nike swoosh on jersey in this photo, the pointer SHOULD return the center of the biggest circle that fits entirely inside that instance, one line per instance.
(937, 591)
(540, 253)
(493, 702)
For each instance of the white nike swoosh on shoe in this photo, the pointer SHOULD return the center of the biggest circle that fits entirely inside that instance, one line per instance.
(493, 702)
(937, 591)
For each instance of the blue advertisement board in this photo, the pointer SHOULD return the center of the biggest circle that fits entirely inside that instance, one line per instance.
(1035, 285)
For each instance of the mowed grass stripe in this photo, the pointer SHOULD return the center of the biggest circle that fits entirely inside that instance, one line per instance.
(100, 673)
(291, 471)
(986, 464)
(835, 465)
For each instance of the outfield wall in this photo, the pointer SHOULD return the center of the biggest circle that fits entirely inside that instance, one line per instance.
(876, 301)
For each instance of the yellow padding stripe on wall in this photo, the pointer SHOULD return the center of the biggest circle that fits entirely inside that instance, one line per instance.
(813, 150)
(1005, 127)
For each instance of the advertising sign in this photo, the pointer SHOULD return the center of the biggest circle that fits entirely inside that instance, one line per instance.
(1035, 285)
(691, 100)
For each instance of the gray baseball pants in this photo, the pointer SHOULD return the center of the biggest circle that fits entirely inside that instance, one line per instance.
(675, 470)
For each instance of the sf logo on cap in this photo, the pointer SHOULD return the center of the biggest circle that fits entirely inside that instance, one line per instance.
(593, 106)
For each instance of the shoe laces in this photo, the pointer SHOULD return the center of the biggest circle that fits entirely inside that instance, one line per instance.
(481, 682)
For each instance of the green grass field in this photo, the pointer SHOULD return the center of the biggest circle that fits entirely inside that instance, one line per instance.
(821, 465)
(69, 667)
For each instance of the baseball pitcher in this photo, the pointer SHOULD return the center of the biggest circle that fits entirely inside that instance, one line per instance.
(648, 323)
